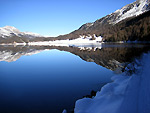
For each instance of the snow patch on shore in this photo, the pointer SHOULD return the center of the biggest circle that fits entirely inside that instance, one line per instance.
(82, 40)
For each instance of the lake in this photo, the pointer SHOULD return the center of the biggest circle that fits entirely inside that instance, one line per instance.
(49, 79)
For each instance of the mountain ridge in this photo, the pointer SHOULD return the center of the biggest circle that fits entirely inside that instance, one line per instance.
(10, 34)
(102, 27)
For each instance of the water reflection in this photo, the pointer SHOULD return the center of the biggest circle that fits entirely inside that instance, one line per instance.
(53, 80)
(111, 56)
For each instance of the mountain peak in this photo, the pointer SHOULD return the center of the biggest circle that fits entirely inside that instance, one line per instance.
(130, 10)
(134, 9)
(11, 28)
(9, 31)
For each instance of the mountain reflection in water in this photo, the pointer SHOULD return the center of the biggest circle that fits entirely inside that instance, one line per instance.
(111, 56)
(48, 82)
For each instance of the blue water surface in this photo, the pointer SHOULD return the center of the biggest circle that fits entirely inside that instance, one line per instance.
(48, 82)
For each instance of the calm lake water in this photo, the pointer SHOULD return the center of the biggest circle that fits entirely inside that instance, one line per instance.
(50, 79)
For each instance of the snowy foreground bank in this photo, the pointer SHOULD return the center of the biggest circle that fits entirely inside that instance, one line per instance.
(126, 94)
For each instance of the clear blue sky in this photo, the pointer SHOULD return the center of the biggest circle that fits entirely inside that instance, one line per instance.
(54, 17)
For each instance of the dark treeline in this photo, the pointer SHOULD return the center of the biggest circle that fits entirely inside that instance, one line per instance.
(137, 28)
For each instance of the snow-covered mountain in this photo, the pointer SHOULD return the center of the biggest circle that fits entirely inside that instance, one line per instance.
(115, 26)
(134, 9)
(10, 31)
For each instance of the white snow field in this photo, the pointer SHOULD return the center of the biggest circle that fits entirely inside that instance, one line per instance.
(82, 40)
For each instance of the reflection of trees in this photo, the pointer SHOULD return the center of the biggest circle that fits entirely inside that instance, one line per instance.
(109, 57)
